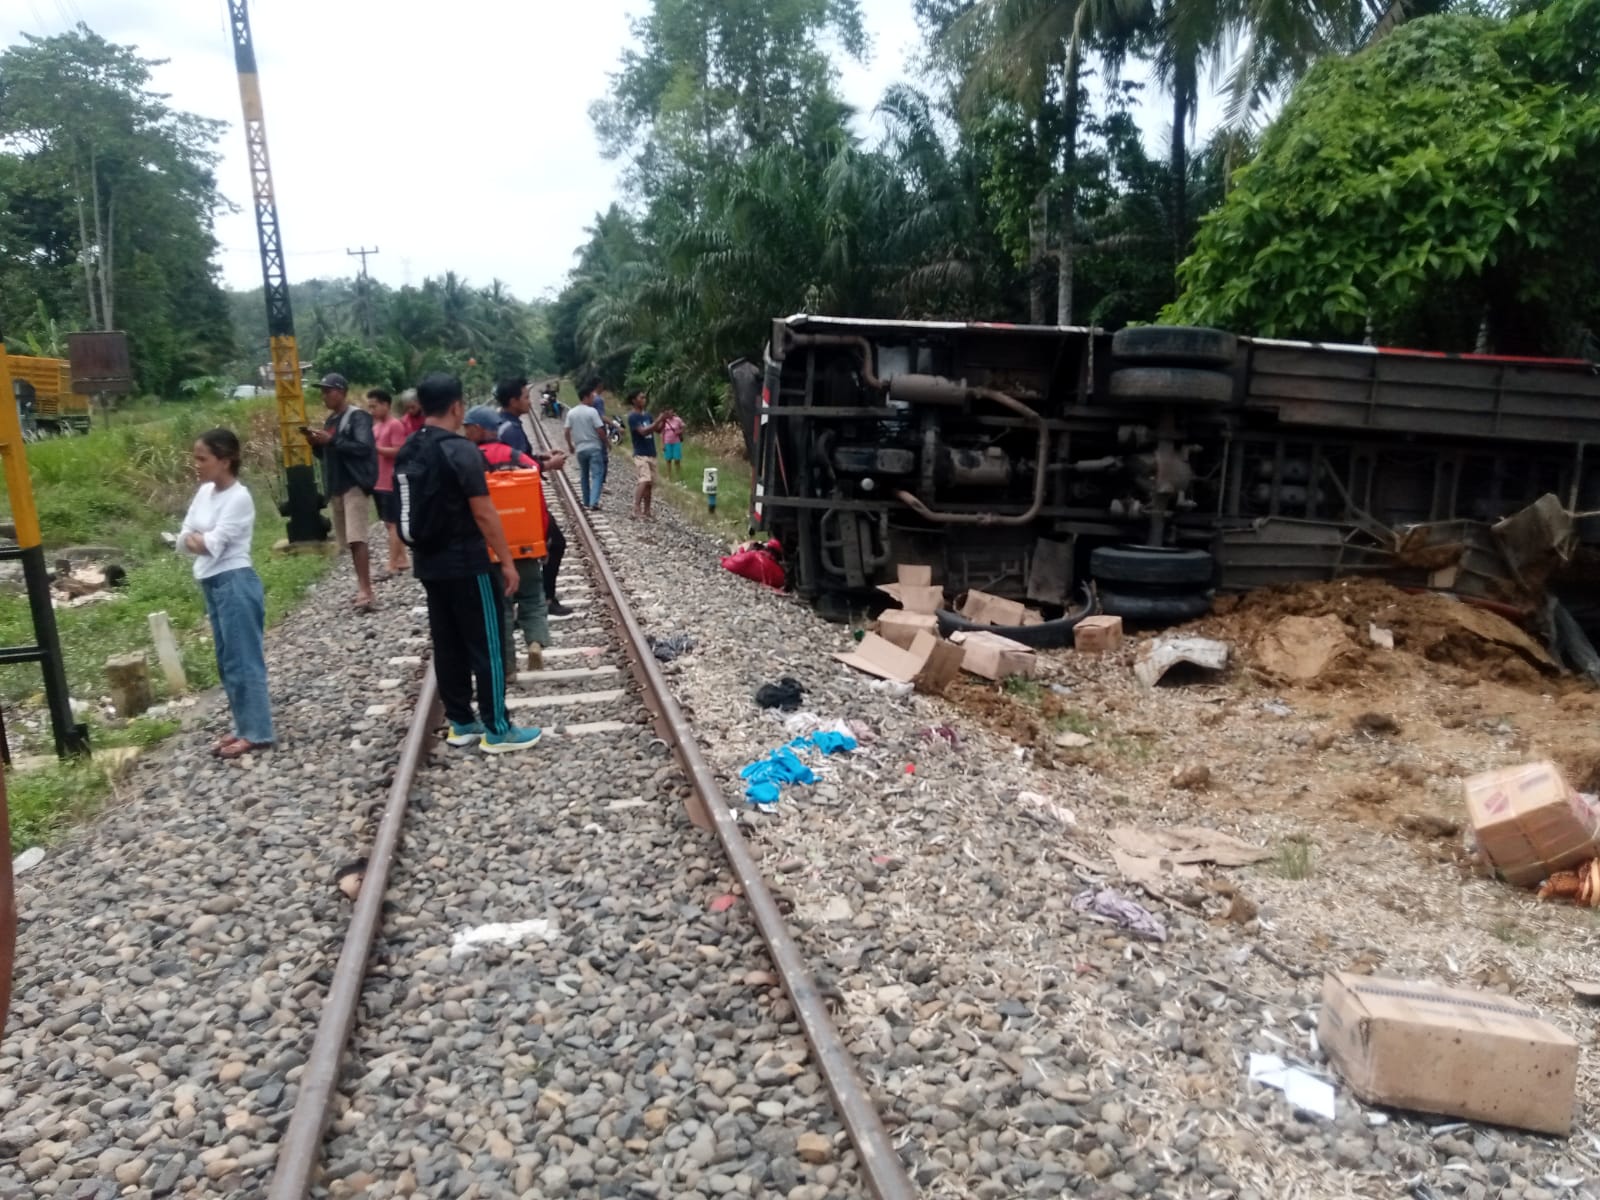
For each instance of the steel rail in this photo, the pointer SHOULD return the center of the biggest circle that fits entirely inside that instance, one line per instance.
(880, 1164)
(301, 1147)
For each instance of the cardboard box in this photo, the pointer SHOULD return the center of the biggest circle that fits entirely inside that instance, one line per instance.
(1096, 635)
(929, 664)
(992, 656)
(901, 627)
(983, 609)
(1529, 822)
(1452, 1051)
(913, 575)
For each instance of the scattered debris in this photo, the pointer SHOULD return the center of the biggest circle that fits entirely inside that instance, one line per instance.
(1528, 823)
(348, 878)
(902, 627)
(513, 933)
(1429, 826)
(1276, 708)
(765, 777)
(1196, 777)
(672, 646)
(784, 694)
(1375, 723)
(27, 860)
(1303, 1090)
(1047, 807)
(1421, 1046)
(1167, 652)
(1073, 741)
(1587, 990)
(943, 733)
(1581, 886)
(723, 903)
(1379, 636)
(1116, 909)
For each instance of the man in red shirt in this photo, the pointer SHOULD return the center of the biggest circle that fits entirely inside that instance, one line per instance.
(389, 432)
(482, 427)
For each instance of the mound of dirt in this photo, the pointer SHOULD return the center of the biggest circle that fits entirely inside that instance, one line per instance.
(1321, 634)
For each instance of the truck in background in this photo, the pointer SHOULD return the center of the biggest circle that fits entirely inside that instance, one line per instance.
(1158, 464)
(44, 396)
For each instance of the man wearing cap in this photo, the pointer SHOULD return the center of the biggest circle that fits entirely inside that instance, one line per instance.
(482, 427)
(349, 455)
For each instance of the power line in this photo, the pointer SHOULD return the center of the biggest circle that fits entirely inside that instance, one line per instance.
(364, 289)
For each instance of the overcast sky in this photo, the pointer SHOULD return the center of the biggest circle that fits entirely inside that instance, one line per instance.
(451, 137)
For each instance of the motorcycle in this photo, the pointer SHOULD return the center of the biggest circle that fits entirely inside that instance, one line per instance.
(549, 405)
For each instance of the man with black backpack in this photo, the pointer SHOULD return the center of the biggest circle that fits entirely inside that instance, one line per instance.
(448, 520)
(349, 455)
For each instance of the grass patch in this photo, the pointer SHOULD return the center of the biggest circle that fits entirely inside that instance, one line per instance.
(1029, 690)
(121, 487)
(1294, 860)
(1073, 721)
(1513, 934)
(44, 802)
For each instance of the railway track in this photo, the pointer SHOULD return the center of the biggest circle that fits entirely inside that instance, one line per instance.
(552, 984)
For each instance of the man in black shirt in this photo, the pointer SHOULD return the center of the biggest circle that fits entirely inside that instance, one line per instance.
(449, 522)
(349, 457)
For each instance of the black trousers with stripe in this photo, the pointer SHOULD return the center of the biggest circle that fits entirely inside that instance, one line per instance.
(464, 622)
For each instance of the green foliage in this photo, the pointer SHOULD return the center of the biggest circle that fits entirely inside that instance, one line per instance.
(107, 217)
(358, 362)
(124, 486)
(1445, 178)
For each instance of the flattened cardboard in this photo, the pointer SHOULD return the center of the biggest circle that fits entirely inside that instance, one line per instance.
(929, 664)
(1529, 823)
(993, 657)
(901, 627)
(983, 609)
(1454, 1051)
(1096, 635)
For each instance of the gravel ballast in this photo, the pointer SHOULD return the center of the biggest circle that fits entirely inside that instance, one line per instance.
(1019, 1048)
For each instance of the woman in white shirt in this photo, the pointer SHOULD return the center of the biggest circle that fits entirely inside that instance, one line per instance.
(217, 531)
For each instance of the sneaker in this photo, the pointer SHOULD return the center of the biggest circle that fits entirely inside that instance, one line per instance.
(558, 609)
(514, 738)
(535, 657)
(464, 735)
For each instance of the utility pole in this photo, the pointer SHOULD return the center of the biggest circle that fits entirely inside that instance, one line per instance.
(364, 289)
(303, 503)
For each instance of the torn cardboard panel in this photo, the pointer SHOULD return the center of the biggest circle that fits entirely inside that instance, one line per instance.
(994, 657)
(901, 627)
(1433, 1049)
(928, 664)
(1529, 822)
(1166, 653)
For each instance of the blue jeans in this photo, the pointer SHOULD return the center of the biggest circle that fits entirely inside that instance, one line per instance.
(591, 474)
(237, 607)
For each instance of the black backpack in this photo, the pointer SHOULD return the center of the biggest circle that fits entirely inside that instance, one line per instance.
(421, 477)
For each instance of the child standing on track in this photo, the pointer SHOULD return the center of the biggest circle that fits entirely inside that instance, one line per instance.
(447, 519)
(643, 430)
(672, 445)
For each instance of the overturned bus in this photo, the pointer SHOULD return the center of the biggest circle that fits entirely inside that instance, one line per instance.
(1160, 464)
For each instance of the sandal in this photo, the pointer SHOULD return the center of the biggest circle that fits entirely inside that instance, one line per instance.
(223, 743)
(239, 748)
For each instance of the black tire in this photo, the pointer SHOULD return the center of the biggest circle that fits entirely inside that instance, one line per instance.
(1187, 345)
(1152, 565)
(1155, 610)
(1172, 385)
(1047, 635)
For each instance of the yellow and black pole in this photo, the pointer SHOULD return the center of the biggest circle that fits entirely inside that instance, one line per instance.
(71, 736)
(302, 504)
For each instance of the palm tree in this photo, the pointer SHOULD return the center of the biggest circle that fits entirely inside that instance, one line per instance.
(1024, 49)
